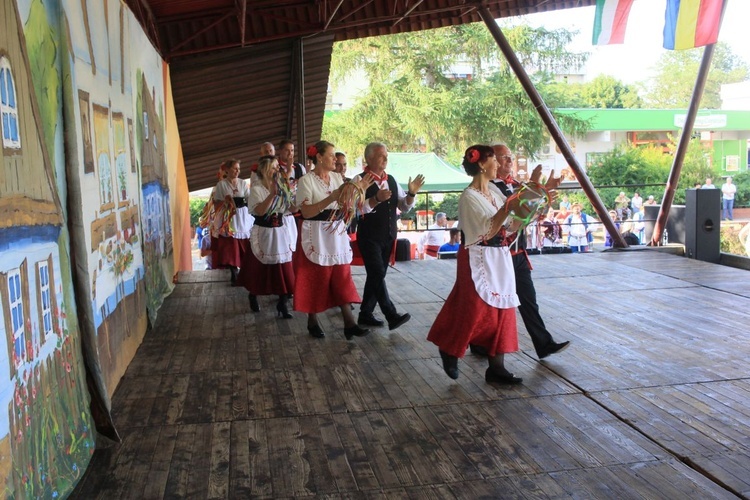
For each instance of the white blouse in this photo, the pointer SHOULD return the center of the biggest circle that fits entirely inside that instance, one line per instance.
(491, 267)
(475, 211)
(242, 220)
(270, 245)
(324, 243)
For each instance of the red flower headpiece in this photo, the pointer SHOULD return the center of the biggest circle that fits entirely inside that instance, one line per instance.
(472, 155)
(312, 151)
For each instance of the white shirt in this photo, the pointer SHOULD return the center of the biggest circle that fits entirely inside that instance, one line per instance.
(403, 204)
(435, 235)
(728, 190)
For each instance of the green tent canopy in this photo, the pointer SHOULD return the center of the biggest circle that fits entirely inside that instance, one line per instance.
(438, 175)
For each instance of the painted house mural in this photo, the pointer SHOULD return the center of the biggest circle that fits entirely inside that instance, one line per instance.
(46, 438)
(82, 74)
(157, 219)
(99, 156)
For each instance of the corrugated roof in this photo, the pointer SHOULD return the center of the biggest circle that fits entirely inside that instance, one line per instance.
(184, 27)
(230, 102)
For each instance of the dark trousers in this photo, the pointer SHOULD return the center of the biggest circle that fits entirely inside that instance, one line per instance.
(529, 309)
(376, 255)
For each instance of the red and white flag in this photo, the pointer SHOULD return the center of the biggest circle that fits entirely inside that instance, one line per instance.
(610, 21)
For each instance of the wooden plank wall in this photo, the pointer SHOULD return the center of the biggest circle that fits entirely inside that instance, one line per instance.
(652, 400)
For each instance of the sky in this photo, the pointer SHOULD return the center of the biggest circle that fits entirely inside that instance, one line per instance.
(633, 60)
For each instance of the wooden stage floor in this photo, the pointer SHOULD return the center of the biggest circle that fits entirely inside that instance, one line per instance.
(652, 399)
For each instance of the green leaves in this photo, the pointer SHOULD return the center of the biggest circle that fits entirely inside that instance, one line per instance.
(676, 71)
(414, 103)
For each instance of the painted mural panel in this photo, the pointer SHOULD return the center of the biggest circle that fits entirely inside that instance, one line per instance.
(101, 38)
(90, 63)
(46, 438)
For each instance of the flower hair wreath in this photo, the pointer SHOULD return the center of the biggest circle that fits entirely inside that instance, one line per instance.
(312, 151)
(473, 155)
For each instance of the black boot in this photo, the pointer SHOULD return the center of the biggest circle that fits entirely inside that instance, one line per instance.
(233, 272)
(281, 308)
(450, 364)
(254, 306)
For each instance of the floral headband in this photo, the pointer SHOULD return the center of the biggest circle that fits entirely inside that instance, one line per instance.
(312, 151)
(472, 155)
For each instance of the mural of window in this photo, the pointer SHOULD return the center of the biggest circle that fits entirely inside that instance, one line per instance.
(15, 303)
(45, 296)
(121, 167)
(103, 157)
(8, 107)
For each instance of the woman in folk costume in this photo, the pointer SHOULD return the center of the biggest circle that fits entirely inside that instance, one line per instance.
(323, 274)
(267, 265)
(481, 308)
(232, 221)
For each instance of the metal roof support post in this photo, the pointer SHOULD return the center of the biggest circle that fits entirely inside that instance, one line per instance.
(679, 156)
(301, 139)
(552, 126)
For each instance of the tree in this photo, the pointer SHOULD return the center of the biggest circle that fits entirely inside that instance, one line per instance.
(415, 103)
(43, 56)
(604, 91)
(676, 70)
(630, 165)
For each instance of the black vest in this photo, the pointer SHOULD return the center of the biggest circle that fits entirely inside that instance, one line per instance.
(380, 224)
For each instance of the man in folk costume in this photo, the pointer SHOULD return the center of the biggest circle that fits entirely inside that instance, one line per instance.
(286, 160)
(376, 234)
(544, 344)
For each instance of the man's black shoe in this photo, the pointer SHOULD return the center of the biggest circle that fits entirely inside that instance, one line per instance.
(370, 320)
(554, 347)
(398, 320)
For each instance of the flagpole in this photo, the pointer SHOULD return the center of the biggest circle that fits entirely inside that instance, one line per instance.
(552, 126)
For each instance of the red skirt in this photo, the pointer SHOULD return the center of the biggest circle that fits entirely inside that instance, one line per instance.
(265, 279)
(319, 288)
(465, 318)
(229, 251)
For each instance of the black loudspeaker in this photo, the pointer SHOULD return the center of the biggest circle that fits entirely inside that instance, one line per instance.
(675, 230)
(702, 221)
(403, 250)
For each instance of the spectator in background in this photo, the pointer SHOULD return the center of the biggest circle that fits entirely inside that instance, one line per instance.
(454, 243)
(639, 226)
(608, 237)
(429, 243)
(578, 228)
(621, 205)
(551, 230)
(205, 248)
(636, 203)
(564, 203)
(198, 236)
(728, 191)
(709, 184)
(650, 200)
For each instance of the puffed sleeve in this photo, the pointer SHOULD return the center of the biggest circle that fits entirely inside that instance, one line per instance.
(304, 191)
(257, 194)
